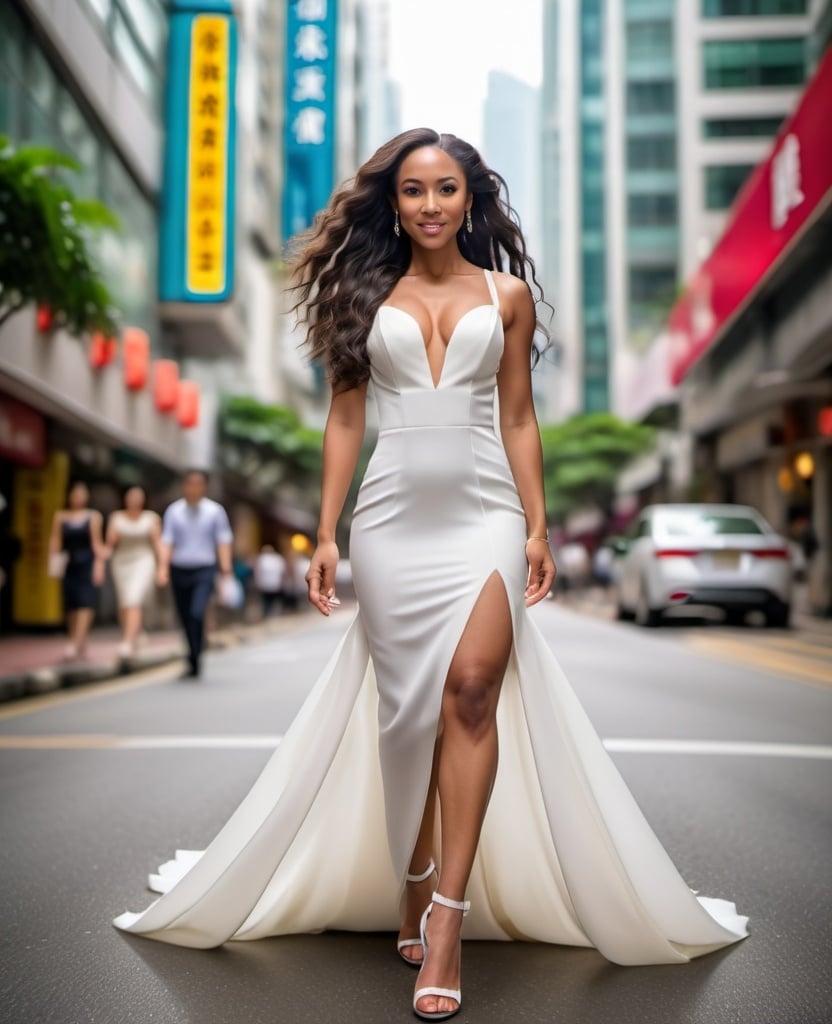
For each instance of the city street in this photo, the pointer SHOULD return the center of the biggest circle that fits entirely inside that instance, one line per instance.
(724, 735)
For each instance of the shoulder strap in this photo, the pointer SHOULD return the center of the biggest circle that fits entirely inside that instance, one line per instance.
(492, 288)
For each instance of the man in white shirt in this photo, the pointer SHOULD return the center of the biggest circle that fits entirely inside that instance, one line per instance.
(269, 576)
(196, 537)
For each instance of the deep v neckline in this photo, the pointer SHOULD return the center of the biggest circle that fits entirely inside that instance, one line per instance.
(437, 382)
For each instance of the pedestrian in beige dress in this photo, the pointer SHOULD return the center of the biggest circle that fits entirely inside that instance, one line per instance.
(133, 535)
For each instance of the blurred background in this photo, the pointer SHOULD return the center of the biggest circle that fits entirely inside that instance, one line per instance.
(670, 163)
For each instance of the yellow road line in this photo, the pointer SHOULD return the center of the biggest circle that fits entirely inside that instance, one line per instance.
(796, 644)
(94, 741)
(773, 662)
(58, 742)
(121, 684)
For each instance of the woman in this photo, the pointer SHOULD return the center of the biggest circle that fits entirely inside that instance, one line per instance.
(448, 550)
(77, 533)
(133, 535)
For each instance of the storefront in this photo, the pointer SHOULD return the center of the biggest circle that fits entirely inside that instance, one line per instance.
(66, 413)
(751, 343)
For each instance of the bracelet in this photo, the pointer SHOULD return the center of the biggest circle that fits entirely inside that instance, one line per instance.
(546, 538)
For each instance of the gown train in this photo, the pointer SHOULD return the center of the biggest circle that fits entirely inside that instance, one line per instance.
(324, 837)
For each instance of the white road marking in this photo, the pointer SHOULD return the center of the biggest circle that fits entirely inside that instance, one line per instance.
(88, 741)
(198, 742)
(729, 747)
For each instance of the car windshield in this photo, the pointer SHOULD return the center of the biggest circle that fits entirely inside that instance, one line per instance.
(704, 524)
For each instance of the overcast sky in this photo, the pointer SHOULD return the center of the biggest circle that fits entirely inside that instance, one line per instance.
(442, 50)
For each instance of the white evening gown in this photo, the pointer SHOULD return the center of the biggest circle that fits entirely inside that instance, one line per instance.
(324, 837)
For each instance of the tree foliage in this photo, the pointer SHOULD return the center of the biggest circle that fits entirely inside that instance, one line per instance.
(44, 241)
(583, 456)
(267, 445)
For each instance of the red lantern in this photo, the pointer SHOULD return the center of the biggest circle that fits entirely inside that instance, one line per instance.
(102, 350)
(165, 384)
(187, 410)
(825, 421)
(136, 358)
(44, 319)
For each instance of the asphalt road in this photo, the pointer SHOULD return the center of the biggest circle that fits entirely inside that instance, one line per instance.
(724, 735)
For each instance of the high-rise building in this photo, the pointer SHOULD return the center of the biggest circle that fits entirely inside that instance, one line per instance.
(377, 101)
(511, 133)
(653, 114)
(740, 72)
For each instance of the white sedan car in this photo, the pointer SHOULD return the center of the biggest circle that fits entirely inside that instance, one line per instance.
(723, 556)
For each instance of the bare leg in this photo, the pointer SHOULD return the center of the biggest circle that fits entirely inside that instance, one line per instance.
(418, 894)
(131, 620)
(71, 629)
(83, 622)
(467, 767)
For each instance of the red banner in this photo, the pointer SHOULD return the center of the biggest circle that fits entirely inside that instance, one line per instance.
(22, 434)
(780, 198)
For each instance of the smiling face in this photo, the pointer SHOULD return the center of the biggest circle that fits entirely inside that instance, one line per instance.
(431, 197)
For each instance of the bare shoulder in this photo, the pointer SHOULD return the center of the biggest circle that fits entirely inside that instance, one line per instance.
(515, 297)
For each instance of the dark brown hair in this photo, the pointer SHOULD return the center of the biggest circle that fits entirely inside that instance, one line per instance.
(348, 262)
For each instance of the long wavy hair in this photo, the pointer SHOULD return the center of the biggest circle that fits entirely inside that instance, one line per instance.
(347, 263)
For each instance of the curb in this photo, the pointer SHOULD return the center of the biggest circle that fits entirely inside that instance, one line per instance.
(36, 682)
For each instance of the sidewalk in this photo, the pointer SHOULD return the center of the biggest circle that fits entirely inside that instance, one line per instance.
(31, 664)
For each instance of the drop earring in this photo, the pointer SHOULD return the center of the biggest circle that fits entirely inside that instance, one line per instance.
(469, 224)
(396, 229)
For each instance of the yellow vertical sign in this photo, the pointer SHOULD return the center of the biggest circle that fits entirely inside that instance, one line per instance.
(38, 494)
(207, 154)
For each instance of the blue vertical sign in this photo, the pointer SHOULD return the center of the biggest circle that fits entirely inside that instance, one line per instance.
(309, 142)
(196, 259)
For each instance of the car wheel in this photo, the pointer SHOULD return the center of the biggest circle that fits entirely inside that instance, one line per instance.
(777, 616)
(645, 615)
(621, 613)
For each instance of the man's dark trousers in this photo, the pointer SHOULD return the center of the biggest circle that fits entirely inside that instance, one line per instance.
(192, 592)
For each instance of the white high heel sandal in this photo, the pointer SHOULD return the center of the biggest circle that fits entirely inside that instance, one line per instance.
(448, 993)
(402, 943)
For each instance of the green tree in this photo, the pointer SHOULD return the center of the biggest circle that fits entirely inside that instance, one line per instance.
(583, 456)
(44, 241)
(267, 445)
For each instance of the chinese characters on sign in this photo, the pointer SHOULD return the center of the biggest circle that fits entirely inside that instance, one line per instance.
(310, 99)
(207, 174)
(786, 194)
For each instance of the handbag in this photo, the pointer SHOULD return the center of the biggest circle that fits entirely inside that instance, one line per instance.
(56, 565)
(230, 593)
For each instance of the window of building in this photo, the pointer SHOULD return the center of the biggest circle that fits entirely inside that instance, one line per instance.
(37, 107)
(137, 31)
(646, 39)
(595, 342)
(740, 127)
(594, 278)
(652, 153)
(651, 98)
(751, 8)
(593, 210)
(750, 63)
(722, 184)
(596, 395)
(652, 294)
(650, 284)
(648, 210)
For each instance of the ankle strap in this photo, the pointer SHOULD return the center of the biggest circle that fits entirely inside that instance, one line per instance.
(452, 904)
(429, 870)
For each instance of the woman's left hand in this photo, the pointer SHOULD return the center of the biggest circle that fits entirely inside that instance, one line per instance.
(98, 572)
(542, 571)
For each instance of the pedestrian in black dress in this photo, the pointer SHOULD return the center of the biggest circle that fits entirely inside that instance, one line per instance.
(77, 533)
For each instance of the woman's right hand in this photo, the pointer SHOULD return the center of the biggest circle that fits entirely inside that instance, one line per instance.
(321, 577)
